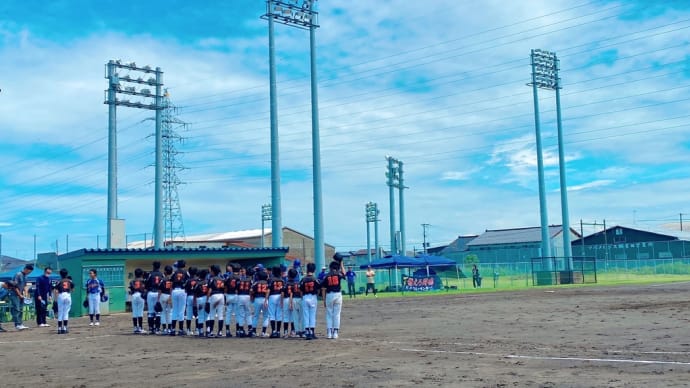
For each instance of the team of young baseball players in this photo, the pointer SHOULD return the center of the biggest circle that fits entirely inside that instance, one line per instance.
(178, 297)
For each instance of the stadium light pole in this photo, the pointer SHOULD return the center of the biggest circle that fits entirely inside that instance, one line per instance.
(372, 213)
(545, 66)
(266, 215)
(122, 84)
(539, 66)
(300, 14)
(390, 174)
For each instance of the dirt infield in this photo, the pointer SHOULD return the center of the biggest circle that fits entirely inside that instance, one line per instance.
(570, 337)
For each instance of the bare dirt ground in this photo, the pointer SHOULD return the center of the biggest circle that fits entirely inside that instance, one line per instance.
(632, 336)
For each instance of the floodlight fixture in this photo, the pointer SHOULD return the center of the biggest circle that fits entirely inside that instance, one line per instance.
(296, 13)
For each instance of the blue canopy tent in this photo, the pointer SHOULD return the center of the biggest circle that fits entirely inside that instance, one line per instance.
(443, 263)
(394, 262)
(9, 274)
(436, 261)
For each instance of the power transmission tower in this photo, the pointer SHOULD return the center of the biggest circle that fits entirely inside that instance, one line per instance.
(172, 213)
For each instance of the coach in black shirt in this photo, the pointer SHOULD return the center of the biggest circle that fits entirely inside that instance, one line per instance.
(43, 286)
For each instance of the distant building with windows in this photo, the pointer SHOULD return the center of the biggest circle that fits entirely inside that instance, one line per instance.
(516, 245)
(624, 243)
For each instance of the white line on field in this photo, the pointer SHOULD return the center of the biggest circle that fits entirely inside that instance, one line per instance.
(584, 359)
(613, 351)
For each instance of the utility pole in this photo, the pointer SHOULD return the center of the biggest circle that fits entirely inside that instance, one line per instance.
(681, 221)
(425, 244)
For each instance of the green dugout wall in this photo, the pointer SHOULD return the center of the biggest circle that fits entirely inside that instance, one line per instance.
(116, 267)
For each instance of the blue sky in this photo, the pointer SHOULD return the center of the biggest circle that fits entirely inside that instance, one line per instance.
(439, 85)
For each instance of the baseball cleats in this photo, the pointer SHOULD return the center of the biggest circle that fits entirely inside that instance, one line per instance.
(228, 333)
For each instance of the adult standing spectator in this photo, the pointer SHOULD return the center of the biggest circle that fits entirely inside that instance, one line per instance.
(371, 281)
(322, 275)
(43, 286)
(476, 277)
(351, 276)
(16, 289)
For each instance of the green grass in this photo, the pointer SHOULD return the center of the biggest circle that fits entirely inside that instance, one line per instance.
(517, 283)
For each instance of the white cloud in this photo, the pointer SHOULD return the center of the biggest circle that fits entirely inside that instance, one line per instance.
(591, 185)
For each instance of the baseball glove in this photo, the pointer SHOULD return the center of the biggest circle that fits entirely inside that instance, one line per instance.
(86, 303)
(104, 298)
(195, 311)
(207, 308)
(158, 307)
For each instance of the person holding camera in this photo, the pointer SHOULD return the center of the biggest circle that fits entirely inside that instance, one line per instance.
(16, 295)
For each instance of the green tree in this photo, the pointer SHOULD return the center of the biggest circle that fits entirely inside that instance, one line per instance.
(471, 259)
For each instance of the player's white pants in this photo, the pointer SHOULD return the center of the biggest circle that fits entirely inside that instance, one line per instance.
(230, 308)
(200, 302)
(258, 307)
(151, 299)
(167, 309)
(189, 308)
(217, 302)
(94, 303)
(64, 301)
(137, 305)
(179, 300)
(288, 315)
(309, 310)
(275, 310)
(334, 304)
(298, 314)
(244, 310)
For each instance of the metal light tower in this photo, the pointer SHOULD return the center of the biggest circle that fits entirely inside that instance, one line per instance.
(266, 215)
(371, 212)
(300, 14)
(391, 175)
(123, 85)
(540, 61)
(545, 66)
(395, 180)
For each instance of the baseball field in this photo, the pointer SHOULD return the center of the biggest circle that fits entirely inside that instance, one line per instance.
(608, 336)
